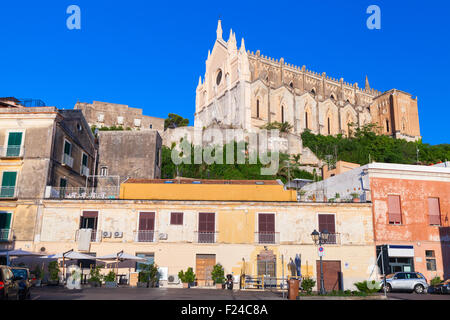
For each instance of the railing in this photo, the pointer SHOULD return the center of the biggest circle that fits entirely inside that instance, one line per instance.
(8, 192)
(333, 238)
(12, 152)
(67, 160)
(145, 236)
(5, 235)
(96, 235)
(206, 237)
(84, 171)
(82, 193)
(267, 237)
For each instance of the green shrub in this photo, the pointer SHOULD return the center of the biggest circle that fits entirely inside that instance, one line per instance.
(95, 276)
(110, 277)
(368, 287)
(53, 270)
(218, 274)
(188, 276)
(307, 284)
(38, 272)
(435, 281)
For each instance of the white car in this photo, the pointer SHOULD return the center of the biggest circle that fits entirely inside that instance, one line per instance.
(406, 281)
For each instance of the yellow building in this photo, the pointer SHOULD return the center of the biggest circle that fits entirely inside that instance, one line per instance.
(215, 222)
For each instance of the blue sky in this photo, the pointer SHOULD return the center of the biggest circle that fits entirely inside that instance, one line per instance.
(150, 54)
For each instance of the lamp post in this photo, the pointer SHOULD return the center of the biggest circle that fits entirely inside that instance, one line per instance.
(320, 238)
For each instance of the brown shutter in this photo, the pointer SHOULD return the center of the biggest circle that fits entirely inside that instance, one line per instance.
(326, 222)
(266, 222)
(146, 221)
(206, 222)
(90, 214)
(434, 211)
(394, 211)
(176, 218)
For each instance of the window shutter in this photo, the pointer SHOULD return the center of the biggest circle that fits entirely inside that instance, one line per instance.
(326, 222)
(206, 222)
(394, 210)
(9, 179)
(15, 139)
(67, 148)
(434, 211)
(266, 222)
(147, 221)
(5, 220)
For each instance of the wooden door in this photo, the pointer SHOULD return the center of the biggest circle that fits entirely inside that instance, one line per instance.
(146, 227)
(203, 268)
(331, 275)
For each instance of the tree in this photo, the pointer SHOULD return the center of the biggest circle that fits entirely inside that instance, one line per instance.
(175, 120)
(283, 127)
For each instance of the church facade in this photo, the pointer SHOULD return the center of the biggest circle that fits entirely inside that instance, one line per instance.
(246, 90)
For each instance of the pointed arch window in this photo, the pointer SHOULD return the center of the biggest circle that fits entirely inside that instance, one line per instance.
(329, 127)
(257, 108)
(387, 125)
(282, 114)
(306, 120)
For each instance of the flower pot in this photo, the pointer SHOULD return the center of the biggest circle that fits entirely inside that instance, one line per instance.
(53, 282)
(186, 285)
(111, 284)
(142, 284)
(355, 199)
(219, 286)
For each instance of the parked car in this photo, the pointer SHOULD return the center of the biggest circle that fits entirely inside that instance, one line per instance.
(442, 288)
(406, 281)
(22, 276)
(9, 286)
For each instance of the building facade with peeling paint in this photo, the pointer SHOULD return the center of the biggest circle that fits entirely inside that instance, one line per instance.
(410, 212)
(239, 230)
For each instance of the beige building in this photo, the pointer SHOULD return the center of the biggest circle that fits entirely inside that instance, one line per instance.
(250, 237)
(242, 89)
(105, 114)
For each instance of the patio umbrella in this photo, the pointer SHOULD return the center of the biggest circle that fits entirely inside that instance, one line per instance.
(17, 253)
(298, 265)
(121, 256)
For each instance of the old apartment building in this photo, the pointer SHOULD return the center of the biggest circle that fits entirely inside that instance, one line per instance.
(410, 206)
(42, 150)
(246, 90)
(105, 114)
(250, 227)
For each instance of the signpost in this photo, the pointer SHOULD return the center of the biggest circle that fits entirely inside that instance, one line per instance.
(321, 251)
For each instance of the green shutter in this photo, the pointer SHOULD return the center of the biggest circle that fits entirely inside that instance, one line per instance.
(67, 148)
(5, 220)
(85, 160)
(8, 184)
(14, 143)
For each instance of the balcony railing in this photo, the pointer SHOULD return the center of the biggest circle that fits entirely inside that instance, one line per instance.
(67, 160)
(84, 171)
(12, 152)
(82, 193)
(96, 235)
(5, 235)
(145, 236)
(333, 238)
(8, 192)
(267, 237)
(206, 237)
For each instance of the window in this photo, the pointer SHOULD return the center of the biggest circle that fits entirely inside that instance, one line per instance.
(306, 120)
(5, 225)
(84, 162)
(119, 120)
(326, 222)
(434, 212)
(62, 183)
(14, 144)
(146, 227)
(282, 114)
(257, 108)
(150, 257)
(219, 77)
(266, 225)
(104, 171)
(431, 260)
(8, 187)
(329, 128)
(387, 125)
(67, 148)
(79, 127)
(206, 227)
(176, 218)
(151, 126)
(89, 220)
(394, 210)
(101, 117)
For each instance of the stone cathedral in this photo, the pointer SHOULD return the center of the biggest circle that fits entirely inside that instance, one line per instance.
(246, 90)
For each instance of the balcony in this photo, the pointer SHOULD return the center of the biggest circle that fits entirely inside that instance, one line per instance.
(82, 193)
(6, 235)
(145, 236)
(206, 237)
(333, 238)
(96, 235)
(84, 171)
(67, 160)
(267, 237)
(8, 192)
(12, 152)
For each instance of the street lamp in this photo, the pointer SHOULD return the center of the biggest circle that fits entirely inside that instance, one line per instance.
(320, 238)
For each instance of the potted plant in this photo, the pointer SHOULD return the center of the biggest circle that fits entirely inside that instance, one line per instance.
(355, 197)
(302, 195)
(53, 270)
(154, 275)
(144, 277)
(39, 274)
(337, 196)
(218, 275)
(187, 278)
(95, 278)
(110, 280)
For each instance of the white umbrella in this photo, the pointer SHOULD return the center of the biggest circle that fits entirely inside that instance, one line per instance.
(17, 253)
(71, 255)
(121, 256)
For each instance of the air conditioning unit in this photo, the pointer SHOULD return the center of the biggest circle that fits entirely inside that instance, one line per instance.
(118, 234)
(173, 279)
(163, 236)
(106, 234)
